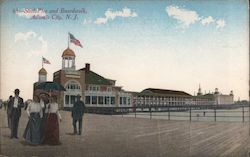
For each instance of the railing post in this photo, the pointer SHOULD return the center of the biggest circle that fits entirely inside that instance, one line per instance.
(190, 113)
(150, 112)
(215, 114)
(168, 113)
(243, 116)
(135, 112)
(122, 111)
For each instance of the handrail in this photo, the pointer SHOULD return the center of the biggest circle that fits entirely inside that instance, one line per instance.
(209, 111)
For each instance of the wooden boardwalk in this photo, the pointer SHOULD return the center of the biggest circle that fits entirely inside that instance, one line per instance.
(112, 136)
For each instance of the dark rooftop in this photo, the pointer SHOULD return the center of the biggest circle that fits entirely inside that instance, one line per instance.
(93, 78)
(155, 91)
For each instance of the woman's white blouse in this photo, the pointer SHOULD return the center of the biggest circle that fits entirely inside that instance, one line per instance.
(34, 107)
(53, 108)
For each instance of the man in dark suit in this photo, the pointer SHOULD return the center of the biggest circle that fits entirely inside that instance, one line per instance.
(16, 103)
(77, 114)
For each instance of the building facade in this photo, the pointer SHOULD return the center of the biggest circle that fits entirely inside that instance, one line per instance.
(215, 98)
(98, 91)
(94, 88)
(161, 97)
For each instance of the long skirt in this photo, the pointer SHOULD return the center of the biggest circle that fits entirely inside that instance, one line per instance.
(32, 132)
(51, 136)
(43, 125)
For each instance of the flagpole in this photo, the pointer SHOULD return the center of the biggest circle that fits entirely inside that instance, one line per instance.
(68, 39)
(42, 62)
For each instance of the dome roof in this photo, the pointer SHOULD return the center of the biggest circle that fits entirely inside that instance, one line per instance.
(68, 52)
(42, 72)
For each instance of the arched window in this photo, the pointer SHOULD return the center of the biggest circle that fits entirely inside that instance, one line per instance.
(72, 85)
(73, 88)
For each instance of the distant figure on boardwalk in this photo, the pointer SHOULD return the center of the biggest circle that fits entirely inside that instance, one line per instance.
(32, 133)
(5, 105)
(77, 114)
(16, 103)
(204, 114)
(51, 136)
(9, 111)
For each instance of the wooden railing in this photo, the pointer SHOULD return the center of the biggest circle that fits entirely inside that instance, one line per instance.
(182, 112)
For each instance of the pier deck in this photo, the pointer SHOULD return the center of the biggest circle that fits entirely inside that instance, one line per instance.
(112, 136)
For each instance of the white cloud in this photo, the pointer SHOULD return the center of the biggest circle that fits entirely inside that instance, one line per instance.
(87, 21)
(24, 36)
(220, 23)
(111, 15)
(183, 16)
(207, 21)
(101, 20)
(42, 49)
(187, 17)
(44, 43)
(28, 13)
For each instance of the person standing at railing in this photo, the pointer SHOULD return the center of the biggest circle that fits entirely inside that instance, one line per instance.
(77, 114)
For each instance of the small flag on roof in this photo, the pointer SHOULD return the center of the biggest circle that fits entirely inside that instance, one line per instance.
(46, 61)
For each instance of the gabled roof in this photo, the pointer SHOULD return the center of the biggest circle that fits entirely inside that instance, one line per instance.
(93, 78)
(163, 92)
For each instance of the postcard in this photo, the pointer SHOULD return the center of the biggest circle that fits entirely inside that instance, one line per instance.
(115, 78)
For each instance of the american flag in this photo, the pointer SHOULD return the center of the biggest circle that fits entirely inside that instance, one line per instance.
(46, 61)
(74, 40)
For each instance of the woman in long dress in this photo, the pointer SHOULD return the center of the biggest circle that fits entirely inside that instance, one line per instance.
(52, 125)
(44, 100)
(32, 133)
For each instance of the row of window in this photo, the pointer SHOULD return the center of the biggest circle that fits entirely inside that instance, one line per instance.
(72, 85)
(98, 88)
(70, 99)
(161, 98)
(162, 103)
(100, 100)
(124, 101)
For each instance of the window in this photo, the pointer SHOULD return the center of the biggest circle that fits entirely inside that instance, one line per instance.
(87, 99)
(109, 89)
(128, 101)
(94, 99)
(120, 100)
(106, 100)
(72, 85)
(112, 100)
(66, 99)
(72, 99)
(100, 99)
(124, 101)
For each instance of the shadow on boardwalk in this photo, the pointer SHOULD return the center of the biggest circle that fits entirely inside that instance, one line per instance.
(110, 136)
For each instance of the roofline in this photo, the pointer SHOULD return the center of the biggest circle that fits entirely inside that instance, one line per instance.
(166, 90)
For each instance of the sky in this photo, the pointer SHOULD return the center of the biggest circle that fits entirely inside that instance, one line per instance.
(166, 44)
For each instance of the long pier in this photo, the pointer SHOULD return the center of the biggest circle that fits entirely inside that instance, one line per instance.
(115, 136)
